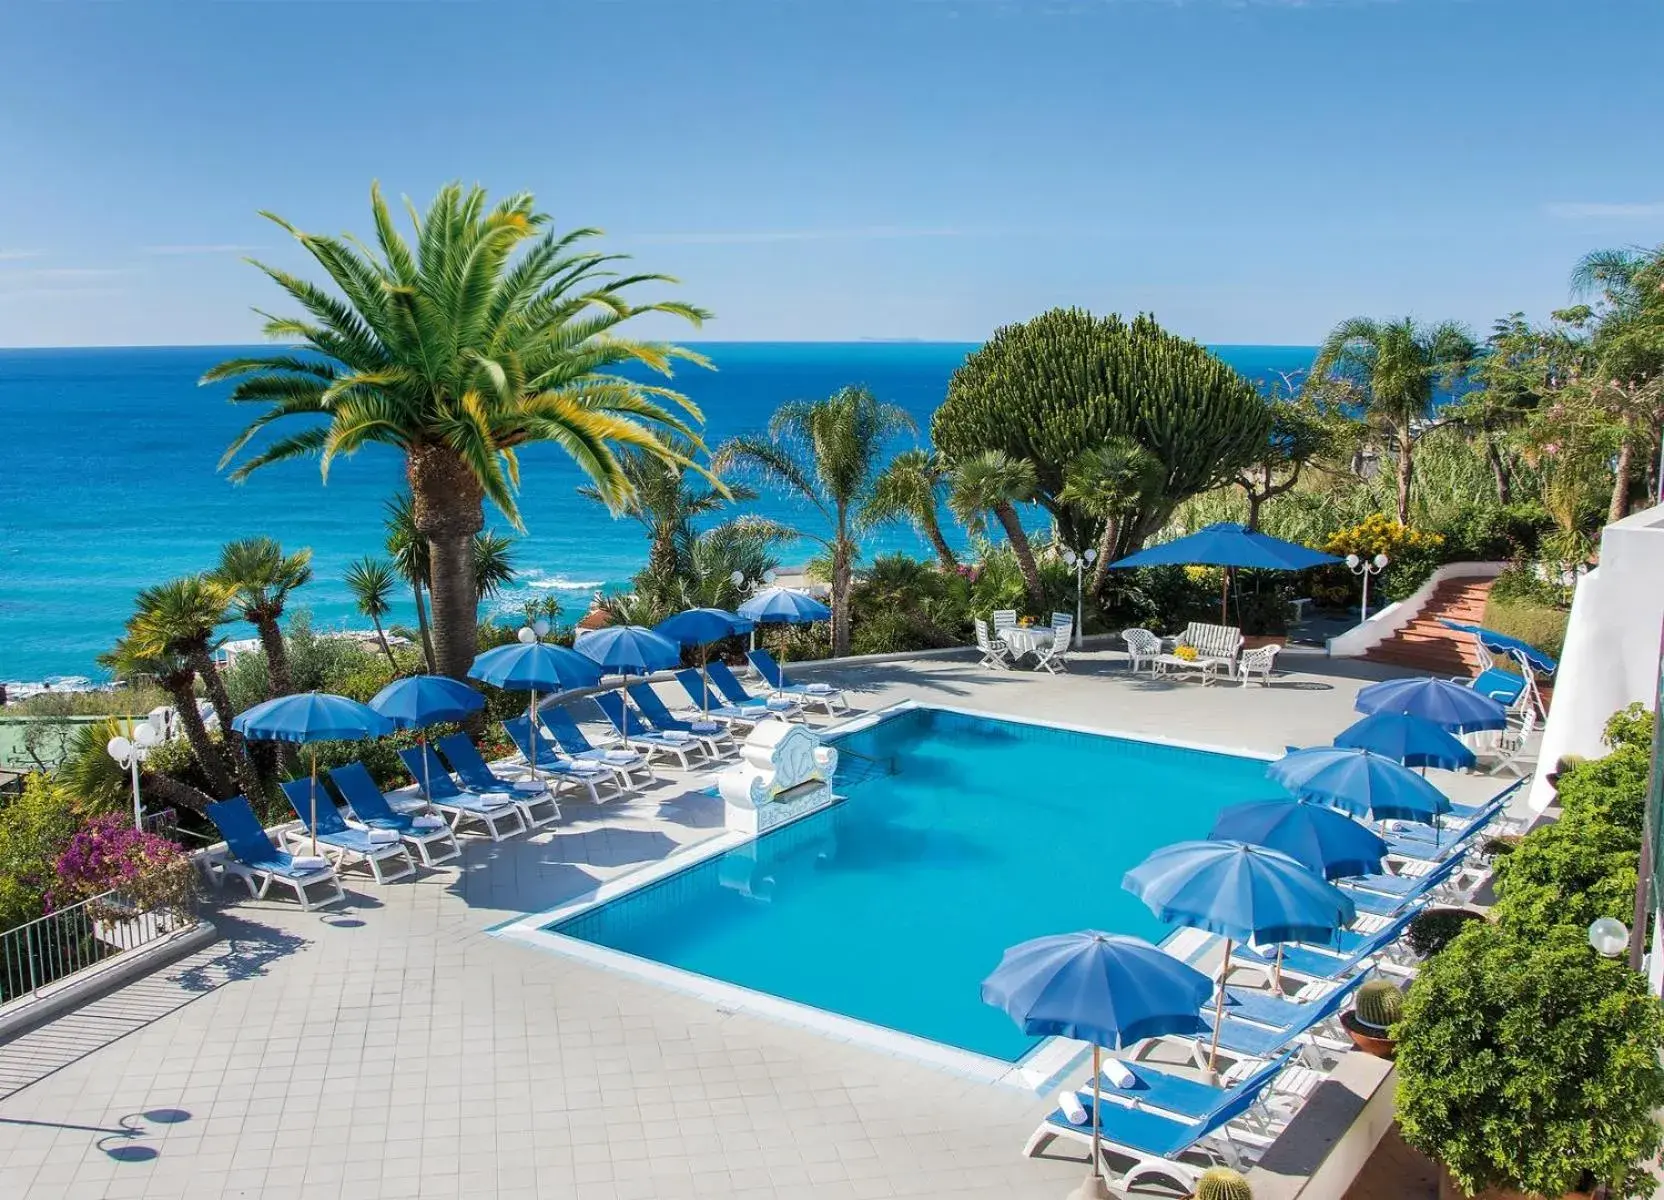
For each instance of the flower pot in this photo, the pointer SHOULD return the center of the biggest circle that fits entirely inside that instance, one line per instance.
(1367, 1038)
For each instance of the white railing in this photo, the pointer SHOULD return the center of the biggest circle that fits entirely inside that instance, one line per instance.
(64, 943)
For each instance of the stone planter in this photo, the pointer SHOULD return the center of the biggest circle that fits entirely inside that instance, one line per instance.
(1367, 1038)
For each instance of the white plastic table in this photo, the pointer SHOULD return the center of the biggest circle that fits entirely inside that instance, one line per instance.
(1027, 640)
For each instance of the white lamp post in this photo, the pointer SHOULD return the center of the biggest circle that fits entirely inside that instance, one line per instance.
(130, 754)
(1365, 568)
(1079, 562)
(1609, 937)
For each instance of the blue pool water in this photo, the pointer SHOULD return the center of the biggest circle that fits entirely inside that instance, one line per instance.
(892, 906)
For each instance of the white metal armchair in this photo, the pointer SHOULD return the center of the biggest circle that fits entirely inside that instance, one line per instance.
(1143, 648)
(1259, 662)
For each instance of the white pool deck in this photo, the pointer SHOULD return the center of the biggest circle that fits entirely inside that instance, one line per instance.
(395, 1046)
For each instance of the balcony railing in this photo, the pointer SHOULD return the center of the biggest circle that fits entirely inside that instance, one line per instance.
(62, 944)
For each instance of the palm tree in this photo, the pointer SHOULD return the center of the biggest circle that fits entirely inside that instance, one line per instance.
(826, 454)
(994, 482)
(409, 550)
(1106, 483)
(493, 333)
(667, 498)
(1392, 369)
(133, 657)
(261, 577)
(371, 582)
(910, 489)
(494, 567)
(180, 617)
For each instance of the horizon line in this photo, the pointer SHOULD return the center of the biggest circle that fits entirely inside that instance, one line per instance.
(857, 341)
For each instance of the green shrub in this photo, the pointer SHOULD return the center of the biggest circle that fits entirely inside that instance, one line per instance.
(34, 829)
(1521, 584)
(1630, 727)
(1611, 790)
(1433, 929)
(1544, 628)
(1567, 874)
(1489, 532)
(1531, 1063)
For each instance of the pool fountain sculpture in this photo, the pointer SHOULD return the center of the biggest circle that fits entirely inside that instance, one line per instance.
(784, 772)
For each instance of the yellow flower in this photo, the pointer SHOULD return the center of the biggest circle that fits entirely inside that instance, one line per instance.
(1188, 653)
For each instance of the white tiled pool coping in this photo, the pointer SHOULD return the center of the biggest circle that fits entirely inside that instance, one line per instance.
(1038, 1070)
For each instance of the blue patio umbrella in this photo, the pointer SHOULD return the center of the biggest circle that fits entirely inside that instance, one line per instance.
(700, 627)
(1323, 839)
(1407, 740)
(1102, 988)
(1448, 705)
(1242, 892)
(628, 650)
(784, 606)
(419, 700)
(1360, 782)
(537, 667)
(311, 717)
(1506, 644)
(1226, 544)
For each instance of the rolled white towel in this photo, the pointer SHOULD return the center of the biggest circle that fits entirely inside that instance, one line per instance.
(383, 837)
(529, 787)
(427, 821)
(304, 863)
(1118, 1073)
(705, 727)
(1074, 1111)
(676, 735)
(494, 799)
(780, 704)
(622, 756)
(819, 689)
(587, 766)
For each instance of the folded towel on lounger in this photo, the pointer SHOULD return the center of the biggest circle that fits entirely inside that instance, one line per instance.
(819, 689)
(676, 735)
(383, 837)
(779, 703)
(494, 799)
(705, 727)
(427, 821)
(1073, 1110)
(308, 862)
(587, 766)
(622, 756)
(529, 786)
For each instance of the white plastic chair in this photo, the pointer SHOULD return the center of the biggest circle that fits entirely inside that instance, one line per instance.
(1004, 618)
(1259, 662)
(995, 653)
(1053, 657)
(1143, 648)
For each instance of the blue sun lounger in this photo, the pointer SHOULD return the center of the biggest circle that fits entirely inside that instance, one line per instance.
(387, 860)
(638, 736)
(1176, 1094)
(824, 694)
(624, 762)
(495, 815)
(733, 691)
(256, 860)
(369, 805)
(1242, 1038)
(1419, 841)
(479, 777)
(1155, 1141)
(715, 738)
(708, 700)
(1313, 962)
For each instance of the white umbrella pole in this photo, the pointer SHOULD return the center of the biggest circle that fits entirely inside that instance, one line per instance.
(531, 720)
(1097, 1099)
(1219, 1011)
(1277, 970)
(314, 801)
(705, 692)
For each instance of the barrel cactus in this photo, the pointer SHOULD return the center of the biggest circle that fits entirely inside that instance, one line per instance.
(1066, 382)
(1222, 1183)
(1379, 1005)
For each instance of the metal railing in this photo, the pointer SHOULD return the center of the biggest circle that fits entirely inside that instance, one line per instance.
(52, 948)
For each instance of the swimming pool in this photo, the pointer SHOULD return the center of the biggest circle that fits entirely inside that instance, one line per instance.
(960, 835)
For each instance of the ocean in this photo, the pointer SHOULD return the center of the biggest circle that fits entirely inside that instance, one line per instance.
(110, 483)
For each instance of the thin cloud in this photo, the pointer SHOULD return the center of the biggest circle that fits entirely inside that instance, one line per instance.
(1584, 210)
(15, 255)
(868, 233)
(208, 248)
(54, 274)
(7, 294)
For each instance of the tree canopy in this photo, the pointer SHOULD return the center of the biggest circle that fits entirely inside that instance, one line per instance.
(1051, 388)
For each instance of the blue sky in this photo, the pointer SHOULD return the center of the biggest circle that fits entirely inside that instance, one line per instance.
(1249, 171)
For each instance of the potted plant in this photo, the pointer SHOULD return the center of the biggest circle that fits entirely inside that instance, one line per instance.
(1528, 1066)
(1221, 1183)
(1376, 1009)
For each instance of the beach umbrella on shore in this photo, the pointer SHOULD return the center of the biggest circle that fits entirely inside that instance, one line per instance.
(1450, 706)
(1227, 545)
(537, 667)
(700, 627)
(1323, 839)
(1102, 988)
(1407, 740)
(1360, 782)
(1244, 893)
(310, 717)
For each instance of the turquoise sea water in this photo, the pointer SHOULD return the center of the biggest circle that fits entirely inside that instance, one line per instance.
(892, 906)
(110, 483)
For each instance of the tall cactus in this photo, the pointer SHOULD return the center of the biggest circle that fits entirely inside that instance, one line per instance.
(1066, 381)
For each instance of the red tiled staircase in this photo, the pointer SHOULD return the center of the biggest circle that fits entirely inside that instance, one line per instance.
(1426, 645)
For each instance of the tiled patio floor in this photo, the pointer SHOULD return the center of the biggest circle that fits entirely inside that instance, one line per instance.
(391, 1048)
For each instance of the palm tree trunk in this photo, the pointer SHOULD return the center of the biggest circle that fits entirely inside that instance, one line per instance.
(1106, 551)
(277, 658)
(842, 580)
(1405, 466)
(938, 543)
(241, 763)
(203, 749)
(1025, 554)
(1618, 509)
(1499, 471)
(422, 626)
(449, 511)
(381, 637)
(174, 793)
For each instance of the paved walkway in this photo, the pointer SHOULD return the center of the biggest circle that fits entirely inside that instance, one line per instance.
(390, 1047)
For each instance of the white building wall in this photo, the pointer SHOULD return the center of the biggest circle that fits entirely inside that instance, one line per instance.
(1612, 643)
